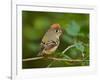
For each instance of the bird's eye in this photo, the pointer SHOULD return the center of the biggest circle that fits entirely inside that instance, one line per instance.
(57, 30)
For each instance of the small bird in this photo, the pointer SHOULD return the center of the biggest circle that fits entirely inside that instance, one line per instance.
(50, 41)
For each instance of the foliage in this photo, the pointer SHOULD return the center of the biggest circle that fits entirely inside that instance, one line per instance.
(75, 32)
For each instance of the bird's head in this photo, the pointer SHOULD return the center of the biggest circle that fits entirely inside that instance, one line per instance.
(56, 29)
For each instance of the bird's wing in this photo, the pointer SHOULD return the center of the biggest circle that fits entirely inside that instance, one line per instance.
(42, 46)
(45, 47)
(50, 45)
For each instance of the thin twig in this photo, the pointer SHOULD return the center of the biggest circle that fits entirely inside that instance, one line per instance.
(68, 48)
(50, 64)
(60, 59)
(29, 59)
(52, 58)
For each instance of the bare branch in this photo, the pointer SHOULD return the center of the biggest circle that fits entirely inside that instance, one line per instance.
(61, 59)
(52, 58)
(35, 58)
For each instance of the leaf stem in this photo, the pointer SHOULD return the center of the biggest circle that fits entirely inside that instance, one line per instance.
(68, 48)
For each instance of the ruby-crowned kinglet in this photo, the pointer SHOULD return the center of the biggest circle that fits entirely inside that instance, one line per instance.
(50, 40)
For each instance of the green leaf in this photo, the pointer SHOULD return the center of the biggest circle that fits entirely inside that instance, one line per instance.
(79, 46)
(73, 53)
(67, 39)
(73, 29)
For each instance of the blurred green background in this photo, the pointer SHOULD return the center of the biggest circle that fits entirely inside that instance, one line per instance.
(75, 31)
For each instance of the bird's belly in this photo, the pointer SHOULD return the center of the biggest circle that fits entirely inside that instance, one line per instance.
(51, 50)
